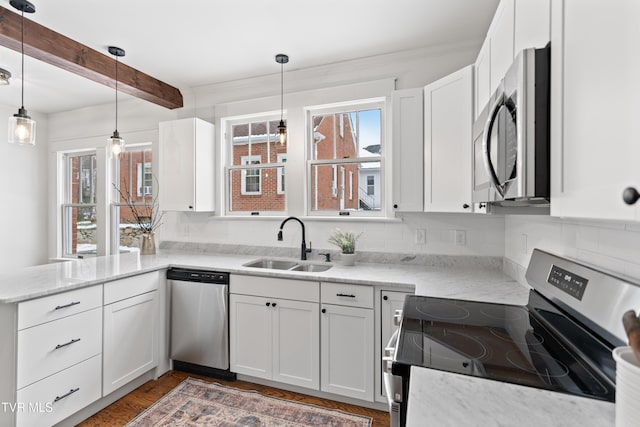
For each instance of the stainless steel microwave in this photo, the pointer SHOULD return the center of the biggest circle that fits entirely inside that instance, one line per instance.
(511, 137)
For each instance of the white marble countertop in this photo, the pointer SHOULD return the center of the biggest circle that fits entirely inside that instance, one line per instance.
(449, 281)
(451, 400)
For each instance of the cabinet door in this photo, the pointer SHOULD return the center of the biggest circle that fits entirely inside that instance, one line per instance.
(130, 340)
(448, 120)
(532, 24)
(501, 33)
(391, 301)
(250, 335)
(347, 351)
(176, 175)
(296, 343)
(407, 146)
(482, 78)
(595, 105)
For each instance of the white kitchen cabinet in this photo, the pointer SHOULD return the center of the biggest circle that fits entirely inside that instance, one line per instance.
(187, 159)
(482, 78)
(346, 340)
(390, 302)
(407, 150)
(130, 330)
(501, 33)
(448, 119)
(271, 336)
(516, 25)
(595, 105)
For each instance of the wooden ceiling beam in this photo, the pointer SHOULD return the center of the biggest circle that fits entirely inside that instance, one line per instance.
(56, 49)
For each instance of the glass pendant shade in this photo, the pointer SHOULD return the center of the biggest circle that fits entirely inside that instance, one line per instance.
(4, 77)
(116, 143)
(282, 132)
(22, 128)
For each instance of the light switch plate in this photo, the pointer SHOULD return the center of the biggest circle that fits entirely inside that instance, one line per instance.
(461, 237)
(421, 236)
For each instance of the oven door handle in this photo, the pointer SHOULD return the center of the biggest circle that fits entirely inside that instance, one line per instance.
(501, 101)
(389, 352)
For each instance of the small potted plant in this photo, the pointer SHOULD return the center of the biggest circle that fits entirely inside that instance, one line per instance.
(347, 243)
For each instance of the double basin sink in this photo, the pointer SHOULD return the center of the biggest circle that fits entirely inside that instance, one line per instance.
(288, 265)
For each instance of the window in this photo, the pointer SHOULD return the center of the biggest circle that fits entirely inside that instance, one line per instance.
(79, 207)
(135, 183)
(255, 165)
(346, 148)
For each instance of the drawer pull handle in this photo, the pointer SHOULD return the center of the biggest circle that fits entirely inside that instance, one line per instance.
(346, 295)
(67, 343)
(71, 304)
(59, 398)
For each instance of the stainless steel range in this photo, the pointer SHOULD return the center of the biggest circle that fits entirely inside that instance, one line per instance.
(560, 341)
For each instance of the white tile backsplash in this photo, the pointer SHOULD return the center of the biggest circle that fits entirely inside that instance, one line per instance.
(612, 246)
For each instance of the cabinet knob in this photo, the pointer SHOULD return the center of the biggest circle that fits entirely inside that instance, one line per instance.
(630, 195)
(324, 310)
(274, 304)
(385, 297)
(395, 206)
(482, 205)
(190, 207)
(465, 206)
(268, 304)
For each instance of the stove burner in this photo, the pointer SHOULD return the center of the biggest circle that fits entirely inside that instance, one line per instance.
(457, 344)
(504, 336)
(442, 310)
(503, 313)
(542, 364)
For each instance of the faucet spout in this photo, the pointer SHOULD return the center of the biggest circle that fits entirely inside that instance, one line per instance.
(303, 246)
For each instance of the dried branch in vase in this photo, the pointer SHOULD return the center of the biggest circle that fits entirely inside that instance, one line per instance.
(147, 215)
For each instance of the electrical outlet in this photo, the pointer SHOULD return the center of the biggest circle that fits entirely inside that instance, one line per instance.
(461, 237)
(421, 236)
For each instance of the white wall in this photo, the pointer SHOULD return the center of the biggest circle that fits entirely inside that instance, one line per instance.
(613, 246)
(363, 78)
(23, 178)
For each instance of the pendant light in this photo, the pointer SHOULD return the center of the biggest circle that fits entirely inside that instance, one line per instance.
(22, 129)
(5, 75)
(116, 142)
(282, 59)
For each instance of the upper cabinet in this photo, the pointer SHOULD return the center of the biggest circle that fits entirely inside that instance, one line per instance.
(186, 176)
(407, 143)
(595, 105)
(448, 117)
(516, 25)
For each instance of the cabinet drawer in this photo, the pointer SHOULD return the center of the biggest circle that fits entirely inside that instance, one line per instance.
(271, 287)
(46, 309)
(46, 349)
(347, 294)
(44, 410)
(131, 286)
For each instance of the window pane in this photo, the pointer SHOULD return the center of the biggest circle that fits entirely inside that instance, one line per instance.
(370, 131)
(82, 179)
(136, 179)
(333, 187)
(347, 135)
(79, 230)
(129, 231)
(254, 190)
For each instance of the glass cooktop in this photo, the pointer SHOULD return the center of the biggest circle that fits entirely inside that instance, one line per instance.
(535, 346)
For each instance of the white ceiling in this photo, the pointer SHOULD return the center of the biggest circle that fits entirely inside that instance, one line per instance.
(201, 42)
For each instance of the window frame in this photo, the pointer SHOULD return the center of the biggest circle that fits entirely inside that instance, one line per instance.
(227, 124)
(245, 161)
(340, 108)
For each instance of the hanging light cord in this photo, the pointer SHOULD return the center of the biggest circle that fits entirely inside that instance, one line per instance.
(22, 47)
(281, 89)
(116, 93)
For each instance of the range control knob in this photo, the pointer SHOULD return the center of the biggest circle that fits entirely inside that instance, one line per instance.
(630, 195)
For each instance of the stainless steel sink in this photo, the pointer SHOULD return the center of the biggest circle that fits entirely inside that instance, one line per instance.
(288, 265)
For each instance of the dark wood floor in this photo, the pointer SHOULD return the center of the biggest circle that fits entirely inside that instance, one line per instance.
(125, 409)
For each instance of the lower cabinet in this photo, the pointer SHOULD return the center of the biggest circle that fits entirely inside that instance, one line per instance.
(272, 337)
(346, 340)
(130, 329)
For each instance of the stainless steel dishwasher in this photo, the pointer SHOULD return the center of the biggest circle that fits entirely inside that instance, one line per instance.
(200, 321)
